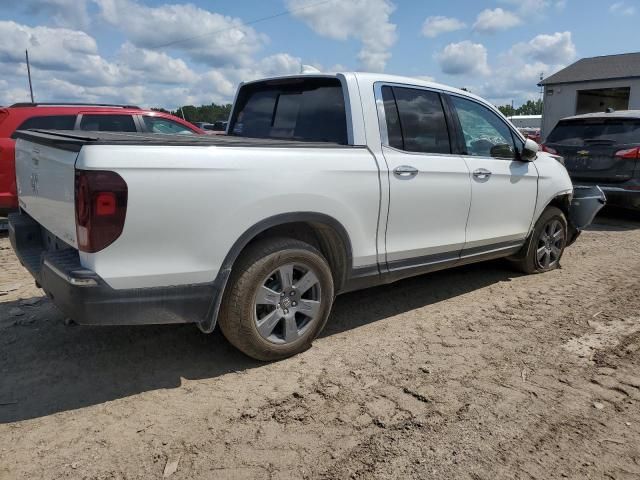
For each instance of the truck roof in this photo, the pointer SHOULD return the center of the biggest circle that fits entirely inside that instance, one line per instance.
(373, 78)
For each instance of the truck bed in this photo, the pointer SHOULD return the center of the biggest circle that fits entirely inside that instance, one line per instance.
(73, 140)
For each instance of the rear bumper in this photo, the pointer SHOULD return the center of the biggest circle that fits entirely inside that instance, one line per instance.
(83, 296)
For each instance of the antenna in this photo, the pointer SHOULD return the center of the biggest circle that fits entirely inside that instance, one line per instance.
(26, 54)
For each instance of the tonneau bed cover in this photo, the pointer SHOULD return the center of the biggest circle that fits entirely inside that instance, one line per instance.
(74, 140)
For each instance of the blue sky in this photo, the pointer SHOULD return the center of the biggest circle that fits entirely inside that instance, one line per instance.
(169, 52)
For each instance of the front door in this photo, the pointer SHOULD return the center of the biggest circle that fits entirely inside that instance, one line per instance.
(430, 188)
(503, 188)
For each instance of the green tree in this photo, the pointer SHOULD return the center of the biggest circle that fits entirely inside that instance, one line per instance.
(529, 108)
(204, 113)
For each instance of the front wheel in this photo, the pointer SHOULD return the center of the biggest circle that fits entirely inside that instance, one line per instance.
(278, 299)
(546, 244)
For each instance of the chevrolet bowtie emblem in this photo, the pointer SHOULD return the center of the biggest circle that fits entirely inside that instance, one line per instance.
(583, 153)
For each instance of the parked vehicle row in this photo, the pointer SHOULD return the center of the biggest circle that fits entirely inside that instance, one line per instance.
(323, 185)
(103, 118)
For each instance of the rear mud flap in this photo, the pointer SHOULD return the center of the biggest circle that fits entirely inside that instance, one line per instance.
(586, 203)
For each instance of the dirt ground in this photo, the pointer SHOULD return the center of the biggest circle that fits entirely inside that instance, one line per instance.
(473, 373)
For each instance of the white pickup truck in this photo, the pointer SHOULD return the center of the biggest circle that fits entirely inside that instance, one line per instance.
(322, 185)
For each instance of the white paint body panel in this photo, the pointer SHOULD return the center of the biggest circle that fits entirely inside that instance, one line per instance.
(427, 213)
(188, 205)
(502, 205)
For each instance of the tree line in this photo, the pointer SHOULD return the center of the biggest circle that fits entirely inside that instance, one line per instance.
(530, 108)
(203, 113)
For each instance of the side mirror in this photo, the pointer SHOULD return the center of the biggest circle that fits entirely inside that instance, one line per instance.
(502, 150)
(529, 151)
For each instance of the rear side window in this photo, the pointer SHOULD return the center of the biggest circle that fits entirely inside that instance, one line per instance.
(415, 120)
(164, 125)
(299, 109)
(51, 122)
(107, 123)
(596, 130)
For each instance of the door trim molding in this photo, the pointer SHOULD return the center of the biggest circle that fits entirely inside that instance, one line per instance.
(370, 276)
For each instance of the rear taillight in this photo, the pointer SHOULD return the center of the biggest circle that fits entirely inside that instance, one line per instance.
(101, 207)
(631, 153)
(550, 150)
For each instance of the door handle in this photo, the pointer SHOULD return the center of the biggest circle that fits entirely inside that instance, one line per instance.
(405, 171)
(482, 173)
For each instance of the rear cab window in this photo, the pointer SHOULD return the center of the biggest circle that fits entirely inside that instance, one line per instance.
(304, 109)
(107, 123)
(50, 122)
(586, 131)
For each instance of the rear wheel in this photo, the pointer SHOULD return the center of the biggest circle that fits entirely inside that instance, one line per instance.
(278, 299)
(545, 246)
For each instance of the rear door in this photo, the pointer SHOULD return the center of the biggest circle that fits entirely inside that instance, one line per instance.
(597, 149)
(430, 189)
(504, 189)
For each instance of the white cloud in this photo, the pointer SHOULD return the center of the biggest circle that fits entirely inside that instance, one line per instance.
(66, 66)
(464, 58)
(517, 71)
(154, 66)
(554, 49)
(365, 20)
(622, 8)
(205, 36)
(491, 21)
(49, 48)
(65, 13)
(434, 26)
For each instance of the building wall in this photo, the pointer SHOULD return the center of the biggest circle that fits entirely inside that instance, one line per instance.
(562, 103)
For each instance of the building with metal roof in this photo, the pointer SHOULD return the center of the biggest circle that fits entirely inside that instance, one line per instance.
(591, 85)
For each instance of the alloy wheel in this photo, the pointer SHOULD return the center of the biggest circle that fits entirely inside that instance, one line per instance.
(550, 244)
(287, 303)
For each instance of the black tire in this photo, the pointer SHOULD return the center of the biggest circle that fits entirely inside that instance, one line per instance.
(238, 317)
(527, 260)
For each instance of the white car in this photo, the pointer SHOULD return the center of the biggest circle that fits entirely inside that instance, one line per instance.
(322, 185)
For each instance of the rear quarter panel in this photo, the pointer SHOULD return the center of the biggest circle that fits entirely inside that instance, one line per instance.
(188, 205)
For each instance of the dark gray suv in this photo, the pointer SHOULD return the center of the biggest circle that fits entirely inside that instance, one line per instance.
(602, 149)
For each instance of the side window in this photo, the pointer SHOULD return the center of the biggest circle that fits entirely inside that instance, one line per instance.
(51, 122)
(421, 120)
(394, 132)
(485, 134)
(107, 123)
(164, 125)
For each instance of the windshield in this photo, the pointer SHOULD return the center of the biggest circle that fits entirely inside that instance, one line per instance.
(300, 109)
(603, 130)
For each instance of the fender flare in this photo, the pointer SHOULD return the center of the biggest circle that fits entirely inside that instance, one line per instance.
(220, 283)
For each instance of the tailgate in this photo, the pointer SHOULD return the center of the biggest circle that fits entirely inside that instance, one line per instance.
(45, 177)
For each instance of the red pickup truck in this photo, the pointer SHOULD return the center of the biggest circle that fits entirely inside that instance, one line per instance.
(111, 118)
